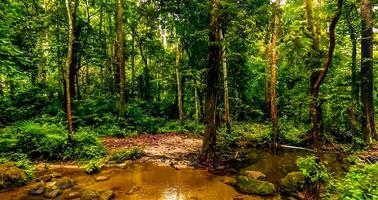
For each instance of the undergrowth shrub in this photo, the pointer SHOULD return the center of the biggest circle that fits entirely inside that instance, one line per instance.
(129, 154)
(360, 182)
(49, 141)
(315, 175)
(292, 133)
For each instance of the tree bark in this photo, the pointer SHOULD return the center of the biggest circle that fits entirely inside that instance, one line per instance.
(318, 80)
(367, 63)
(227, 117)
(121, 59)
(180, 100)
(273, 75)
(215, 53)
(133, 62)
(71, 39)
(354, 94)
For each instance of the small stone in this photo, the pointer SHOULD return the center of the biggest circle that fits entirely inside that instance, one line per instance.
(134, 190)
(102, 178)
(45, 178)
(64, 183)
(72, 195)
(238, 197)
(53, 193)
(255, 175)
(76, 187)
(39, 190)
(56, 175)
(107, 195)
(89, 195)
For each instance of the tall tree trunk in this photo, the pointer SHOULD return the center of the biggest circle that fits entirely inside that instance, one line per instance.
(354, 94)
(215, 54)
(314, 63)
(121, 59)
(367, 63)
(146, 75)
(133, 62)
(71, 39)
(273, 75)
(227, 117)
(178, 83)
(318, 80)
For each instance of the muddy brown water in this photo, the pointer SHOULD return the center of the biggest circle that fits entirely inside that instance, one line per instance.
(149, 182)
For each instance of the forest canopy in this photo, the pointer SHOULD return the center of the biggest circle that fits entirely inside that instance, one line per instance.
(267, 73)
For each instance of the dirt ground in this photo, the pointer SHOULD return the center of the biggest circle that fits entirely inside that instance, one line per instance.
(169, 149)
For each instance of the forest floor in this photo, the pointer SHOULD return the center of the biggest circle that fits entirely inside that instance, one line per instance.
(371, 154)
(168, 149)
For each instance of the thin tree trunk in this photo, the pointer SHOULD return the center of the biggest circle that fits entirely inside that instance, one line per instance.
(179, 86)
(227, 117)
(133, 63)
(321, 74)
(215, 53)
(121, 59)
(273, 75)
(367, 63)
(68, 70)
(354, 94)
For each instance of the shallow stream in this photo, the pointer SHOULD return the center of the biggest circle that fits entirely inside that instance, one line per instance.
(149, 182)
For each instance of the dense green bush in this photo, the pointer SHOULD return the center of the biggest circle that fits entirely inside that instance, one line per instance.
(49, 141)
(315, 175)
(360, 182)
(85, 146)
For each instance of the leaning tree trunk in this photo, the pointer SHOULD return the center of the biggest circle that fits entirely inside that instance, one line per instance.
(367, 63)
(121, 59)
(215, 51)
(321, 74)
(273, 75)
(71, 39)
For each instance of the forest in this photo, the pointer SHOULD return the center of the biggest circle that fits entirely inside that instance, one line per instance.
(188, 99)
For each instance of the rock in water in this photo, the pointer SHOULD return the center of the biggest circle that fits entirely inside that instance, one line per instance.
(292, 183)
(11, 175)
(107, 195)
(255, 175)
(64, 183)
(53, 193)
(38, 190)
(45, 178)
(72, 195)
(252, 186)
(102, 178)
(89, 195)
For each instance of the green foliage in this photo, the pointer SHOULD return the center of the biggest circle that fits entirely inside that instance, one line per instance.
(49, 141)
(292, 133)
(313, 170)
(21, 160)
(85, 146)
(94, 166)
(129, 154)
(359, 183)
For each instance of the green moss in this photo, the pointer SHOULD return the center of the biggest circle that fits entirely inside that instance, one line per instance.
(252, 186)
(11, 175)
